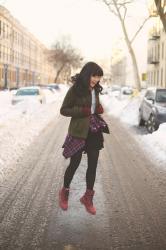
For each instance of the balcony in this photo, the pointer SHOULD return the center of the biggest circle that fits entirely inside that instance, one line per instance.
(153, 60)
(154, 34)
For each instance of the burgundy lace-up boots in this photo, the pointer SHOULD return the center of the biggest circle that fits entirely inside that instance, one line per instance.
(63, 198)
(87, 201)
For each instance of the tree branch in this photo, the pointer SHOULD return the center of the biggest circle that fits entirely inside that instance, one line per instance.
(140, 28)
(125, 12)
(109, 7)
(161, 11)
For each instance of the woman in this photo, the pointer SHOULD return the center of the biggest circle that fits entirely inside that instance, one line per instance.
(85, 130)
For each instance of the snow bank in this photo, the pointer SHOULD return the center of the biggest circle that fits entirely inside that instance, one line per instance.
(19, 124)
(126, 109)
(155, 144)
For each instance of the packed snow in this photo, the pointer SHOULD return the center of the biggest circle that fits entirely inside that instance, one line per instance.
(21, 123)
(126, 109)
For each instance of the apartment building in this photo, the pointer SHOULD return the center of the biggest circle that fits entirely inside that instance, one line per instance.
(156, 70)
(23, 59)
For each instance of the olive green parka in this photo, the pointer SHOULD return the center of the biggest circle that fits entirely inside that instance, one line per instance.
(72, 107)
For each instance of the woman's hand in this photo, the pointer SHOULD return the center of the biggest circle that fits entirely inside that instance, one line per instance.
(99, 109)
(86, 111)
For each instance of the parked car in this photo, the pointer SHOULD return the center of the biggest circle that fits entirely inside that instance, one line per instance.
(33, 93)
(152, 111)
(115, 88)
(127, 90)
(54, 86)
(115, 91)
(52, 90)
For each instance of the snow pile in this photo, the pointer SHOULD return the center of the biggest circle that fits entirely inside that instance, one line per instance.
(126, 109)
(19, 124)
(129, 113)
(5, 106)
(155, 144)
(113, 105)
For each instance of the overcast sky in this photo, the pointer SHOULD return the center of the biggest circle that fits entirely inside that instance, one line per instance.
(88, 23)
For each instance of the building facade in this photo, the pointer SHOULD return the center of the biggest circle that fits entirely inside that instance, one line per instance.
(23, 59)
(156, 70)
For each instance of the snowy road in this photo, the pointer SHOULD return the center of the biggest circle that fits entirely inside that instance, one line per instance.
(130, 198)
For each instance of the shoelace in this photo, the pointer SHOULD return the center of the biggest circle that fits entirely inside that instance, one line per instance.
(90, 200)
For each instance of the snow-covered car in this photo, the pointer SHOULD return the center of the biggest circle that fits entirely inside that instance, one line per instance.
(33, 93)
(55, 86)
(152, 111)
(127, 90)
(115, 90)
(105, 90)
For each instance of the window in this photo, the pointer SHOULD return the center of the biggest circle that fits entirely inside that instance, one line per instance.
(159, 51)
(28, 92)
(0, 27)
(149, 95)
(161, 82)
(165, 76)
(162, 50)
(152, 78)
(1, 70)
(161, 95)
(157, 77)
(3, 29)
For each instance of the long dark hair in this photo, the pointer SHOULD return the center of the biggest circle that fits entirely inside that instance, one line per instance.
(82, 80)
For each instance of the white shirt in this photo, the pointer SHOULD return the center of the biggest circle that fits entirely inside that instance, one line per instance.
(93, 105)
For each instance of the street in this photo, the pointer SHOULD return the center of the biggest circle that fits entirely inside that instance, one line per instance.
(129, 197)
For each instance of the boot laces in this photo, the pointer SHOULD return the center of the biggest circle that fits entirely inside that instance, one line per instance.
(90, 199)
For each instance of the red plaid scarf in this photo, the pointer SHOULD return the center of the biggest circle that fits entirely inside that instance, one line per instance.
(72, 145)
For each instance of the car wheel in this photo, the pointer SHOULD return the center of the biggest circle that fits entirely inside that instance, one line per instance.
(141, 122)
(151, 124)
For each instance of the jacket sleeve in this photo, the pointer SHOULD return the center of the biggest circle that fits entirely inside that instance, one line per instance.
(69, 108)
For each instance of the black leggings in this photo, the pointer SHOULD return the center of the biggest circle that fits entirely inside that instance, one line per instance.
(91, 170)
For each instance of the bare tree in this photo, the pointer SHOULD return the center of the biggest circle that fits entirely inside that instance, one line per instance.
(161, 10)
(119, 9)
(64, 57)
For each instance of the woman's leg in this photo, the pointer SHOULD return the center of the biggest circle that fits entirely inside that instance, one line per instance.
(70, 171)
(93, 155)
(87, 198)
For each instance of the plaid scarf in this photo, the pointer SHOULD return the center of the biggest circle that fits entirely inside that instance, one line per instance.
(96, 123)
(72, 145)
